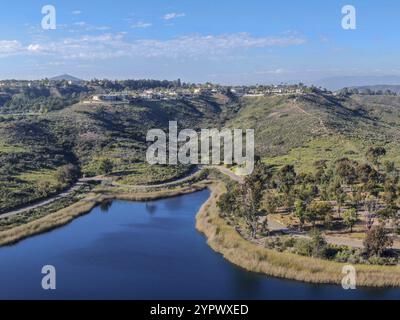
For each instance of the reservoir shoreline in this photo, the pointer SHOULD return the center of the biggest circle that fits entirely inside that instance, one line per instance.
(221, 237)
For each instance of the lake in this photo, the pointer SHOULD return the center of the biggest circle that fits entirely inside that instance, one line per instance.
(129, 250)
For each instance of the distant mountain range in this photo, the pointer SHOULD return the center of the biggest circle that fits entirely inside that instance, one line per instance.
(66, 77)
(337, 83)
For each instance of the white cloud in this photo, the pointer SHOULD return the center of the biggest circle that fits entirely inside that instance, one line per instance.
(102, 28)
(114, 45)
(88, 27)
(174, 15)
(76, 12)
(80, 24)
(211, 45)
(34, 47)
(10, 47)
(141, 25)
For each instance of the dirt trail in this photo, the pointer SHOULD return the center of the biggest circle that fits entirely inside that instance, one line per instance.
(276, 226)
(321, 122)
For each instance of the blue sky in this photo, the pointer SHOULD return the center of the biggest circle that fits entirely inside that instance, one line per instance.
(254, 41)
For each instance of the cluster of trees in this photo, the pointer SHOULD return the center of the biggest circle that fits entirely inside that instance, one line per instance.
(121, 85)
(367, 187)
(336, 195)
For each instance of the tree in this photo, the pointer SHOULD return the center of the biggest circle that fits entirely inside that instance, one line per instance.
(318, 210)
(356, 197)
(271, 204)
(43, 188)
(287, 179)
(377, 241)
(350, 218)
(374, 154)
(321, 175)
(388, 213)
(251, 193)
(346, 171)
(390, 191)
(363, 172)
(67, 174)
(300, 212)
(228, 202)
(339, 195)
(105, 166)
(370, 206)
(318, 244)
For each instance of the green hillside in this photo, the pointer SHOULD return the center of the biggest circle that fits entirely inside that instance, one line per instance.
(290, 129)
(83, 134)
(303, 129)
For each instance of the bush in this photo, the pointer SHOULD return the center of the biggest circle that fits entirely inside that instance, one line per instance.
(304, 247)
(290, 243)
(274, 243)
(105, 166)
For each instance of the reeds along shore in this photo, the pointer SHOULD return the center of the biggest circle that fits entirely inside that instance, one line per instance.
(224, 239)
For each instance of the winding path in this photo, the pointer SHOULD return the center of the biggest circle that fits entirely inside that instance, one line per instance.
(83, 181)
(45, 202)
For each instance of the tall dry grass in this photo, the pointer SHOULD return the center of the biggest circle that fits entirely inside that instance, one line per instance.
(224, 239)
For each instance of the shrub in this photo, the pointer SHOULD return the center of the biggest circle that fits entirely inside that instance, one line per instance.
(304, 247)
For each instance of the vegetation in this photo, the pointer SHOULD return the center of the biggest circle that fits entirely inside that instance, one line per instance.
(94, 139)
(223, 238)
(337, 198)
(328, 164)
(377, 241)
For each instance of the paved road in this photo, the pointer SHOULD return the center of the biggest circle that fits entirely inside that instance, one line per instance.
(47, 201)
(166, 184)
(84, 181)
(21, 114)
(229, 173)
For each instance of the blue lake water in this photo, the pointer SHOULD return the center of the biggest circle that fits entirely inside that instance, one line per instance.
(150, 250)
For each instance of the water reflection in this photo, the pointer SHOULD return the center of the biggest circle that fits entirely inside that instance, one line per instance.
(105, 206)
(151, 207)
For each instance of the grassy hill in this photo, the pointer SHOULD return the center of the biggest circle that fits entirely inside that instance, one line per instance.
(289, 129)
(33, 147)
(303, 129)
